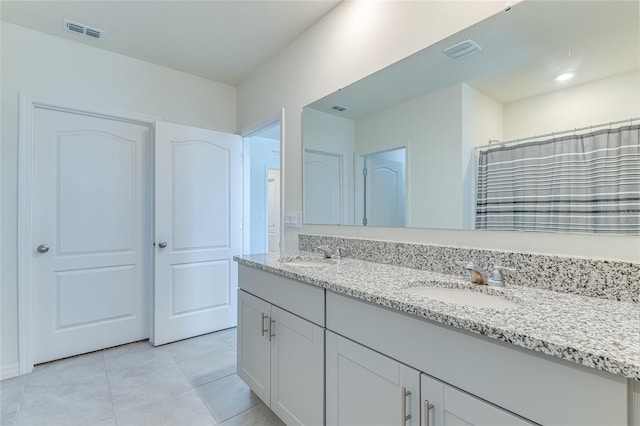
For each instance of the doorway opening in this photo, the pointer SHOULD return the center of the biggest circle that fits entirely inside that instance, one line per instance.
(262, 194)
(382, 188)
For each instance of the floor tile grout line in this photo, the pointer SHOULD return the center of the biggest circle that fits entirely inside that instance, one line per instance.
(195, 388)
(19, 403)
(22, 392)
(106, 373)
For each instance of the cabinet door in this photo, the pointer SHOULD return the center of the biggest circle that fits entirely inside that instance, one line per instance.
(452, 407)
(297, 369)
(367, 388)
(253, 344)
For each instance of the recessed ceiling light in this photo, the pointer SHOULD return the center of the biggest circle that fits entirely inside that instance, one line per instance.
(564, 77)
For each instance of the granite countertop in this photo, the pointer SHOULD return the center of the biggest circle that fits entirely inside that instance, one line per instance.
(597, 333)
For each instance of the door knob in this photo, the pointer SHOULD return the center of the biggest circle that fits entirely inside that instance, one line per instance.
(162, 244)
(42, 248)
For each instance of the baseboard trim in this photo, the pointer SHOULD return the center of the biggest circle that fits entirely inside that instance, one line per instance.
(8, 371)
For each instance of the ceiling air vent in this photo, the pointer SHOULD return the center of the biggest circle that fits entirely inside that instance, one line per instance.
(462, 49)
(83, 29)
(339, 108)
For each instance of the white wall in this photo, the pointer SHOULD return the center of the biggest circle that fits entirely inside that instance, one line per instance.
(357, 39)
(601, 101)
(40, 65)
(482, 119)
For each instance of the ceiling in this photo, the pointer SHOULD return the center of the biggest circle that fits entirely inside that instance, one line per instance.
(523, 50)
(221, 40)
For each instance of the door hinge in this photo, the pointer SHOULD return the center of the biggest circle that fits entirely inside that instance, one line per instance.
(364, 172)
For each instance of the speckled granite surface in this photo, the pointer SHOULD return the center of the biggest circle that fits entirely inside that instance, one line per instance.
(595, 332)
(587, 277)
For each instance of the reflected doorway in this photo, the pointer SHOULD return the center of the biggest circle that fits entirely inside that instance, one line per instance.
(262, 190)
(382, 188)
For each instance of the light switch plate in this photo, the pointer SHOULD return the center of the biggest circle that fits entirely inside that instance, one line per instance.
(293, 220)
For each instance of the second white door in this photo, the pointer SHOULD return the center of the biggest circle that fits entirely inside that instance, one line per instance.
(198, 213)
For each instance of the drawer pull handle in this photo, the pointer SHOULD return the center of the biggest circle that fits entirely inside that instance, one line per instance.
(427, 408)
(271, 333)
(403, 409)
(264, 330)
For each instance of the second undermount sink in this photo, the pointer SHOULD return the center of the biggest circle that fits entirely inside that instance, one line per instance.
(461, 296)
(307, 261)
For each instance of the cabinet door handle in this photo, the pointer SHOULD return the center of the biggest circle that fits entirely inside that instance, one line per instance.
(427, 408)
(271, 333)
(403, 409)
(264, 330)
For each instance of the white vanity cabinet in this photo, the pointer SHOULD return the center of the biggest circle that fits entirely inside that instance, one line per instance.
(380, 366)
(444, 405)
(281, 355)
(366, 388)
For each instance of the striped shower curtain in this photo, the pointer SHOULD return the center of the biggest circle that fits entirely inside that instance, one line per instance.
(587, 183)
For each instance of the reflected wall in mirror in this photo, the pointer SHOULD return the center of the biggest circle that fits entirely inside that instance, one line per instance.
(437, 110)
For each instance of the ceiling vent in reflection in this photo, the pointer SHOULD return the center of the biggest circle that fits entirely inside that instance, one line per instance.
(83, 29)
(339, 108)
(462, 49)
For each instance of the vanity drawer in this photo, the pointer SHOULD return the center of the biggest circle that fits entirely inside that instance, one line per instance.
(304, 300)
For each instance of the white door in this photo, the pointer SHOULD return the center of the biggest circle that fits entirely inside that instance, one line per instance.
(322, 188)
(89, 232)
(198, 214)
(385, 192)
(273, 214)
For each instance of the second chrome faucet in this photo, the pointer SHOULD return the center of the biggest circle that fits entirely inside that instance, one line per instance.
(331, 252)
(477, 275)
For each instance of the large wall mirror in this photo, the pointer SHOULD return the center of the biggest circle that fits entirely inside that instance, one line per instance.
(400, 147)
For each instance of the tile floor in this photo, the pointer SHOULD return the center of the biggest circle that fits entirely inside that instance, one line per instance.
(191, 382)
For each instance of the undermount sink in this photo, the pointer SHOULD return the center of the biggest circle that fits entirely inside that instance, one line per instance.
(307, 261)
(460, 296)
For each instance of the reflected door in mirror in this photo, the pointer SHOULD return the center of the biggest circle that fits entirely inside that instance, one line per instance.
(323, 184)
(384, 203)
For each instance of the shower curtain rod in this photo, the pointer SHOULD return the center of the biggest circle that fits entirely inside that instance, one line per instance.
(493, 143)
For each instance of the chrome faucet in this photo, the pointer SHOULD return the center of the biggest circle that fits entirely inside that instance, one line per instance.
(477, 275)
(331, 252)
(474, 273)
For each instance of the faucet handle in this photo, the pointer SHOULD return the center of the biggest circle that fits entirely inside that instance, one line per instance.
(496, 279)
